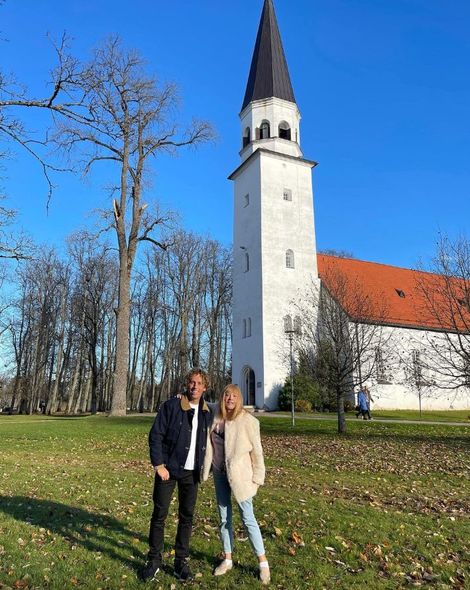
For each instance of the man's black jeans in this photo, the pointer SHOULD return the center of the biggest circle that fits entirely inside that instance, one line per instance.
(162, 493)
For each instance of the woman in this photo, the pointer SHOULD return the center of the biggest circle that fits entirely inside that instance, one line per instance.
(361, 404)
(235, 456)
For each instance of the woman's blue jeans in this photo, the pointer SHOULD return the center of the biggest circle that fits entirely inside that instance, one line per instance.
(223, 494)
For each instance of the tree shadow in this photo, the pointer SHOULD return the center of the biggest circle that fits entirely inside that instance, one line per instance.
(89, 530)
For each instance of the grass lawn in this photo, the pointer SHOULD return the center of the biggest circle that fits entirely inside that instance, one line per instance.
(426, 416)
(386, 506)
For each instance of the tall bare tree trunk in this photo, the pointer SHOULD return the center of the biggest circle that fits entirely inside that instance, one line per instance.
(119, 402)
(341, 414)
(52, 400)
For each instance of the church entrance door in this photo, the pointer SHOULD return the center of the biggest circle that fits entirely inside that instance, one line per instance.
(248, 386)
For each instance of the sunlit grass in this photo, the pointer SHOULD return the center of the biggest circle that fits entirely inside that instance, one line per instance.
(386, 506)
(414, 415)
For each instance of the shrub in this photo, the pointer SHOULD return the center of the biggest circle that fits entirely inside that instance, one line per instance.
(348, 405)
(305, 388)
(302, 405)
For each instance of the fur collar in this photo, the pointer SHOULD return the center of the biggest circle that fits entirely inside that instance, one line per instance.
(185, 406)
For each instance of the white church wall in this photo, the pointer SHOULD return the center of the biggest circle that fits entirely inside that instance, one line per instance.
(247, 350)
(285, 225)
(393, 389)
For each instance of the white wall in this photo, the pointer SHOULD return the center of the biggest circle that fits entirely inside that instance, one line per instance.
(266, 229)
(399, 391)
(275, 111)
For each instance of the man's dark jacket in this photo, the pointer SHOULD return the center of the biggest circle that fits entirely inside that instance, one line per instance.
(170, 436)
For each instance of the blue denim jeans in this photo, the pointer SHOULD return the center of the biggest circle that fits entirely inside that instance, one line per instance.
(223, 494)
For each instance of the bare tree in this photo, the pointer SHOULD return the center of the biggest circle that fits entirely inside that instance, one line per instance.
(15, 245)
(445, 292)
(112, 111)
(341, 328)
(35, 327)
(95, 296)
(337, 253)
(218, 311)
(129, 120)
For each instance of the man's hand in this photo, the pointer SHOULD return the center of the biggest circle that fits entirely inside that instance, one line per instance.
(162, 472)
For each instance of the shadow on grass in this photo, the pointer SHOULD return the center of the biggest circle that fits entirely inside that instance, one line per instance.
(91, 531)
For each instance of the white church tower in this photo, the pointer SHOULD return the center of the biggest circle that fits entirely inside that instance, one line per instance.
(274, 236)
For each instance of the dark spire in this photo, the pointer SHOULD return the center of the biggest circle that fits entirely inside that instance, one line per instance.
(269, 75)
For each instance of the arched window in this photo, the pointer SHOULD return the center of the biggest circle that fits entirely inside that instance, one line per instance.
(248, 328)
(246, 137)
(247, 262)
(265, 130)
(298, 324)
(248, 386)
(380, 366)
(287, 323)
(284, 130)
(290, 259)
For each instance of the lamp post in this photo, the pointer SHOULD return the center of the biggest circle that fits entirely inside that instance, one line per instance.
(290, 331)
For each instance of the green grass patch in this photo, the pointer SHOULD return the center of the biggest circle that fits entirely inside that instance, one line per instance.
(412, 415)
(384, 507)
(427, 416)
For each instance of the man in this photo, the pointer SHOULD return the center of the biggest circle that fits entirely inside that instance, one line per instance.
(368, 400)
(177, 443)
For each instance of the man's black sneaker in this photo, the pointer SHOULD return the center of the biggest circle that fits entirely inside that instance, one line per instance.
(182, 571)
(151, 569)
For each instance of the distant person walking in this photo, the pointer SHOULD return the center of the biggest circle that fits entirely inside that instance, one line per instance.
(361, 407)
(235, 457)
(177, 443)
(368, 400)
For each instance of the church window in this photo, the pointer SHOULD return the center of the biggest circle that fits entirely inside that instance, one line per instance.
(417, 369)
(400, 293)
(246, 200)
(290, 259)
(287, 195)
(287, 323)
(466, 368)
(380, 367)
(298, 325)
(464, 302)
(247, 328)
(264, 130)
(246, 137)
(247, 262)
(284, 130)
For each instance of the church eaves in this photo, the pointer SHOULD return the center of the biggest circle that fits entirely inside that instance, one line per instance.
(269, 75)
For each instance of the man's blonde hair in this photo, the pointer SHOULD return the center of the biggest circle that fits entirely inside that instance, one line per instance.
(238, 408)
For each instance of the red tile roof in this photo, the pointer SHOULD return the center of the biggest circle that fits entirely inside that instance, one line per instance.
(396, 298)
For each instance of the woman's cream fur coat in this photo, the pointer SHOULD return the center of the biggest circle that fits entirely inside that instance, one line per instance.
(244, 462)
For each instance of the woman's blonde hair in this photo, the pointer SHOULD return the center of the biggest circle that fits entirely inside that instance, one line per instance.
(238, 408)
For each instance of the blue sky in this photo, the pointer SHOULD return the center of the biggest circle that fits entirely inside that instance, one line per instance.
(383, 87)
